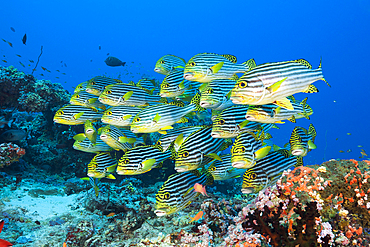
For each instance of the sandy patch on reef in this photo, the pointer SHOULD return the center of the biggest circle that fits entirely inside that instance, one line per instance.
(37, 208)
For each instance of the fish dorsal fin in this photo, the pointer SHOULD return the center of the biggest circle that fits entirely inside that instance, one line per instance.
(79, 137)
(292, 119)
(303, 62)
(229, 57)
(250, 63)
(203, 86)
(311, 89)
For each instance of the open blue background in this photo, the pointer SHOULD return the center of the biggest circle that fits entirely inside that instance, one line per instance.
(140, 32)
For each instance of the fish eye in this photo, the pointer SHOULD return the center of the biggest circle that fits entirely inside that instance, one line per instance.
(108, 92)
(192, 64)
(159, 142)
(162, 62)
(108, 130)
(253, 176)
(242, 84)
(242, 149)
(210, 90)
(60, 112)
(213, 168)
(185, 154)
(108, 113)
(221, 122)
(136, 120)
(126, 161)
(92, 83)
(166, 195)
(77, 96)
(165, 85)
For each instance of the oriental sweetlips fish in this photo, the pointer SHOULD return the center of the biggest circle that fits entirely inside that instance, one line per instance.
(178, 191)
(167, 63)
(175, 137)
(76, 114)
(126, 94)
(206, 67)
(273, 82)
(246, 150)
(101, 166)
(120, 115)
(271, 113)
(268, 170)
(87, 146)
(197, 150)
(174, 84)
(115, 138)
(160, 117)
(301, 141)
(141, 159)
(88, 100)
(97, 84)
(215, 94)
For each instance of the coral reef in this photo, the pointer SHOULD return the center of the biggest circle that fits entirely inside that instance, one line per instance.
(9, 153)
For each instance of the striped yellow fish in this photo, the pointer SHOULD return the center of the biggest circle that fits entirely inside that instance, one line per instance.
(76, 114)
(167, 63)
(205, 67)
(101, 166)
(273, 82)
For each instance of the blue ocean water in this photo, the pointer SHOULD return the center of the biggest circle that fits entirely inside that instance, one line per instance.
(140, 32)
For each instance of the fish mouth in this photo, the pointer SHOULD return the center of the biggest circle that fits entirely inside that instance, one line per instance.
(247, 190)
(205, 104)
(298, 152)
(181, 169)
(157, 70)
(250, 118)
(215, 135)
(121, 172)
(103, 136)
(239, 164)
(163, 95)
(160, 213)
(188, 76)
(134, 130)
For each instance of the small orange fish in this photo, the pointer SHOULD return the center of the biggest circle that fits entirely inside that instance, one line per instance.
(200, 188)
(4, 61)
(31, 61)
(197, 216)
(11, 45)
(363, 153)
(18, 55)
(341, 151)
(43, 68)
(64, 244)
(111, 214)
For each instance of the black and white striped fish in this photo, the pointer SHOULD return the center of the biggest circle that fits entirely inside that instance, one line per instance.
(167, 63)
(114, 137)
(141, 159)
(246, 150)
(81, 87)
(87, 146)
(178, 191)
(223, 170)
(160, 117)
(197, 150)
(88, 100)
(268, 170)
(120, 115)
(205, 67)
(302, 141)
(215, 94)
(76, 114)
(272, 113)
(179, 134)
(174, 84)
(126, 94)
(101, 166)
(97, 84)
(273, 82)
(231, 122)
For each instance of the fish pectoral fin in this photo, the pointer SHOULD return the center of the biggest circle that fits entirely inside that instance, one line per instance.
(78, 115)
(111, 168)
(202, 87)
(274, 87)
(127, 117)
(311, 89)
(280, 122)
(79, 137)
(262, 152)
(127, 95)
(122, 139)
(148, 164)
(182, 85)
(169, 127)
(162, 132)
(131, 140)
(277, 110)
(93, 100)
(285, 103)
(275, 147)
(179, 140)
(214, 156)
(243, 124)
(110, 176)
(157, 118)
(311, 145)
(215, 68)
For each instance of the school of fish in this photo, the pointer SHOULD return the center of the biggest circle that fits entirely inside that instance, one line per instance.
(237, 144)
